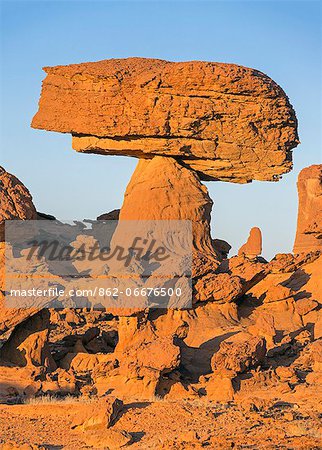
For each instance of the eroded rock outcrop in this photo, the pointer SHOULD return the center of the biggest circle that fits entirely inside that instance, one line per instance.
(239, 354)
(253, 246)
(225, 121)
(309, 223)
(15, 200)
(27, 345)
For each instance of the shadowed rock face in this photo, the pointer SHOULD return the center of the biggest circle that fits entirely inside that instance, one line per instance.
(225, 121)
(309, 222)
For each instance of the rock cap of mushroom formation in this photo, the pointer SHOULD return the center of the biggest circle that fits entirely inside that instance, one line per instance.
(225, 121)
(253, 246)
(309, 222)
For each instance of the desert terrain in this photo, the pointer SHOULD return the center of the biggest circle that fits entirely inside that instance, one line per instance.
(241, 366)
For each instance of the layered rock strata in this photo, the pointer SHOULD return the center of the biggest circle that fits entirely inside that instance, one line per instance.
(226, 122)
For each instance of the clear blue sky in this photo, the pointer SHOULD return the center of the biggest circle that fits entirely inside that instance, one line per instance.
(282, 39)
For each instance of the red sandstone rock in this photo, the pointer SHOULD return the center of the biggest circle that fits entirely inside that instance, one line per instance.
(162, 189)
(12, 445)
(220, 388)
(15, 200)
(220, 287)
(100, 416)
(239, 355)
(309, 222)
(17, 383)
(28, 343)
(253, 246)
(264, 326)
(287, 262)
(305, 305)
(250, 271)
(225, 121)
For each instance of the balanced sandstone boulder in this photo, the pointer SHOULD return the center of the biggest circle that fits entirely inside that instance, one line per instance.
(225, 121)
(309, 222)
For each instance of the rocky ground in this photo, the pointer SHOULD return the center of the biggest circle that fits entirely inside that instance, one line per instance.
(292, 422)
(224, 375)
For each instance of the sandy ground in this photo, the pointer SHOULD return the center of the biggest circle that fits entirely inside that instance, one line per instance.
(171, 425)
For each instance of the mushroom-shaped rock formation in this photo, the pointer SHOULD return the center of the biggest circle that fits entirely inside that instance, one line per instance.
(309, 222)
(186, 122)
(225, 121)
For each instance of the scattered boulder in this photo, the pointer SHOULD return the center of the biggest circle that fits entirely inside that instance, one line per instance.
(90, 334)
(264, 326)
(99, 416)
(250, 271)
(220, 287)
(59, 383)
(288, 262)
(220, 387)
(239, 355)
(276, 293)
(316, 352)
(18, 383)
(305, 305)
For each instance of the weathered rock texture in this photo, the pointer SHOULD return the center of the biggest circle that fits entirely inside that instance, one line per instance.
(162, 189)
(15, 201)
(309, 222)
(27, 345)
(253, 246)
(225, 121)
